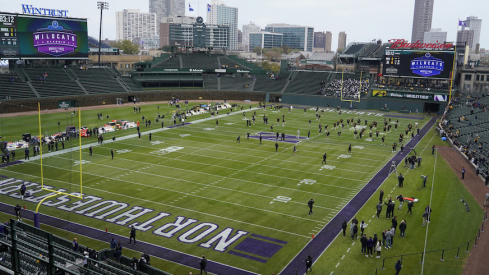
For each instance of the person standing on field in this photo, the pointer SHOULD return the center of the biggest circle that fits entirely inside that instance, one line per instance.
(310, 204)
(132, 235)
(203, 265)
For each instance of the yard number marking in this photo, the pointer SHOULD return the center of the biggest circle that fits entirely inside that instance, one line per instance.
(307, 181)
(281, 199)
(328, 167)
(82, 162)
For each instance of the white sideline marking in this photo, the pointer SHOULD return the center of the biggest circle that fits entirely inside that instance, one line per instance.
(343, 257)
(337, 264)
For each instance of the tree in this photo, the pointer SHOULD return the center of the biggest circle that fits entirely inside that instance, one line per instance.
(127, 46)
(166, 48)
(257, 50)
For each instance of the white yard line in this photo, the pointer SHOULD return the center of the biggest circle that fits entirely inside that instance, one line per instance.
(180, 192)
(169, 205)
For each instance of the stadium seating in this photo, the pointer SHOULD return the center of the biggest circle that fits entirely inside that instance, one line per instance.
(59, 82)
(263, 83)
(307, 82)
(469, 119)
(15, 90)
(32, 244)
(353, 49)
(99, 81)
(236, 83)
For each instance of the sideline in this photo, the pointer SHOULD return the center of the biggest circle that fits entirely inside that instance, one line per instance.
(328, 234)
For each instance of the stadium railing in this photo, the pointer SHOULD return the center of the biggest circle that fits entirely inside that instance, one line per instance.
(30, 250)
(443, 253)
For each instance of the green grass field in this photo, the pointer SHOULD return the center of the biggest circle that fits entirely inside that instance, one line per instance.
(202, 178)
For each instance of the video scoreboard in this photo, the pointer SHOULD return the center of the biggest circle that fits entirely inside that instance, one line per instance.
(418, 63)
(8, 36)
(42, 37)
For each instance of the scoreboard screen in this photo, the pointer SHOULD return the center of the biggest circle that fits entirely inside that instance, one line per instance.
(42, 37)
(9, 47)
(418, 64)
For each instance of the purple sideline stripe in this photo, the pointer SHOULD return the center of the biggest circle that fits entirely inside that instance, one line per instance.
(3, 165)
(178, 125)
(258, 247)
(327, 235)
(408, 117)
(268, 239)
(154, 250)
(247, 256)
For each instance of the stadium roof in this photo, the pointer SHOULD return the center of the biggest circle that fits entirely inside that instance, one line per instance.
(320, 56)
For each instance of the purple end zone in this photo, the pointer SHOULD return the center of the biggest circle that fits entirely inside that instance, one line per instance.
(178, 125)
(247, 256)
(268, 239)
(327, 235)
(3, 165)
(408, 117)
(257, 247)
(157, 251)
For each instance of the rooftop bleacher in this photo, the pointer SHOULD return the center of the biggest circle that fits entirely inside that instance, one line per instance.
(353, 49)
(369, 50)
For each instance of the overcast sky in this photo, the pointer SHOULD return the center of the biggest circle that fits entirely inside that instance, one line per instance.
(363, 20)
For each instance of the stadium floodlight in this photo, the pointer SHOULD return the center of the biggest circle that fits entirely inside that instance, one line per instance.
(101, 6)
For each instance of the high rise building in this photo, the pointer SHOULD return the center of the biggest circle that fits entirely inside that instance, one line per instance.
(329, 41)
(319, 41)
(247, 29)
(423, 15)
(294, 37)
(435, 36)
(164, 27)
(465, 37)
(133, 25)
(265, 40)
(474, 24)
(341, 41)
(166, 8)
(223, 15)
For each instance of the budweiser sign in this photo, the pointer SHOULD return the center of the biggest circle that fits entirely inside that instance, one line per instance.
(402, 44)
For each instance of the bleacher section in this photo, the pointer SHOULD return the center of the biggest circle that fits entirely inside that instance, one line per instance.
(229, 83)
(467, 122)
(263, 83)
(307, 82)
(171, 62)
(353, 49)
(99, 81)
(14, 90)
(369, 50)
(58, 82)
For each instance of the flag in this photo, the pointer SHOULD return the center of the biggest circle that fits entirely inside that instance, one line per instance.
(462, 23)
(208, 7)
(190, 8)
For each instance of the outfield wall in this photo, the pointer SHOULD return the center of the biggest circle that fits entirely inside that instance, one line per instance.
(365, 104)
(23, 105)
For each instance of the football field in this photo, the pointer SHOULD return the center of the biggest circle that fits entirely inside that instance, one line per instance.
(195, 189)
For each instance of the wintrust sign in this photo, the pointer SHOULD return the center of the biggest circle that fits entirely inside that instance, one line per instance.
(29, 9)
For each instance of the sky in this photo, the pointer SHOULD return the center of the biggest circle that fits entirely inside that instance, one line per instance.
(362, 20)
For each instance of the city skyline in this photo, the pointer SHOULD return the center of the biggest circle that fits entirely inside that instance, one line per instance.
(395, 19)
